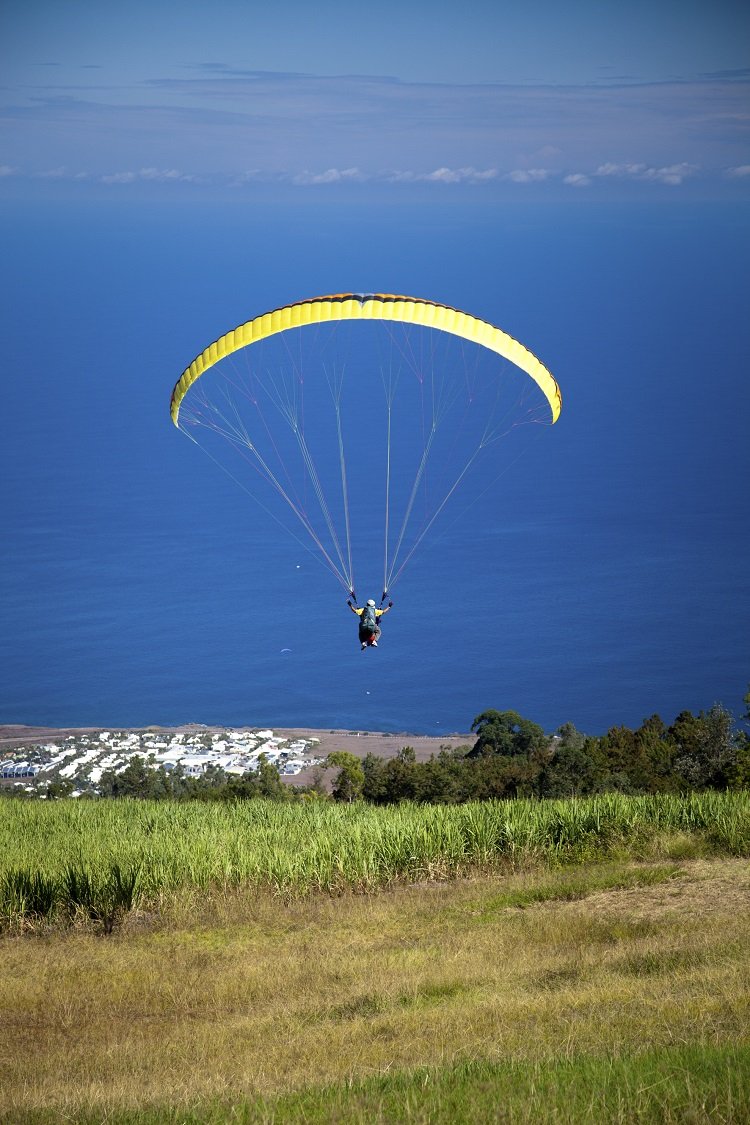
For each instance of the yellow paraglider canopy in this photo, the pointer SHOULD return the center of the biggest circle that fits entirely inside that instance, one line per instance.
(370, 306)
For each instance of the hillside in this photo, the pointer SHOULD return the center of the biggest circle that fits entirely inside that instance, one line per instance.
(607, 993)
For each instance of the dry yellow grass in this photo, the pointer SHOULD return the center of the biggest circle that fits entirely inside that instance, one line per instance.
(243, 994)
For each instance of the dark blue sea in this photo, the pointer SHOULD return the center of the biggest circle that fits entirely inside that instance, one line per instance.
(606, 579)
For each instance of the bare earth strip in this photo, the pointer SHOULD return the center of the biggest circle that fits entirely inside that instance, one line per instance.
(365, 742)
(16, 734)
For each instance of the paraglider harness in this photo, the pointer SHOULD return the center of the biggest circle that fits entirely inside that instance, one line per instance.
(369, 630)
(368, 622)
(368, 625)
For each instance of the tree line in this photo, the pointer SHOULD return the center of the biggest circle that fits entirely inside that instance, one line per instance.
(511, 757)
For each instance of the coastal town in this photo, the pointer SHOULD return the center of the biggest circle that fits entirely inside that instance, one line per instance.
(82, 758)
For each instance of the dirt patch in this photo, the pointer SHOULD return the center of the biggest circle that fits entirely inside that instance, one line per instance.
(18, 735)
(377, 742)
(381, 744)
(704, 888)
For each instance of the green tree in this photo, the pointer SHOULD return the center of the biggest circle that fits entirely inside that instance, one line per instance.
(570, 771)
(400, 779)
(59, 787)
(375, 785)
(741, 773)
(507, 734)
(269, 780)
(137, 779)
(350, 779)
(570, 738)
(437, 781)
(317, 786)
(640, 761)
(509, 755)
(706, 752)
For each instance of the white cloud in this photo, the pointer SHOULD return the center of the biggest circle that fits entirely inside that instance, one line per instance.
(330, 176)
(577, 179)
(120, 178)
(163, 175)
(620, 170)
(455, 178)
(672, 174)
(61, 173)
(458, 175)
(669, 174)
(528, 175)
(153, 175)
(443, 175)
(317, 128)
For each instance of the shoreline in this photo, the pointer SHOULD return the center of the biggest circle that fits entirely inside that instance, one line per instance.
(381, 743)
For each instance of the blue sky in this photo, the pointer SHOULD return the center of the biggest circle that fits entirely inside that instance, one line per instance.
(475, 100)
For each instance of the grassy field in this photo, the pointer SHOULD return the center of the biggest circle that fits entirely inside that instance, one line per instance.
(331, 847)
(580, 961)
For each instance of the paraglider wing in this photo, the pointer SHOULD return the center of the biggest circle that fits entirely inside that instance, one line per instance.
(372, 306)
(358, 417)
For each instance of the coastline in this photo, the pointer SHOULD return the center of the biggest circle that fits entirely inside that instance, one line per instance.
(361, 742)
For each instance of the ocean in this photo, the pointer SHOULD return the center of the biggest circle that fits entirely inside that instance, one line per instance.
(604, 580)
